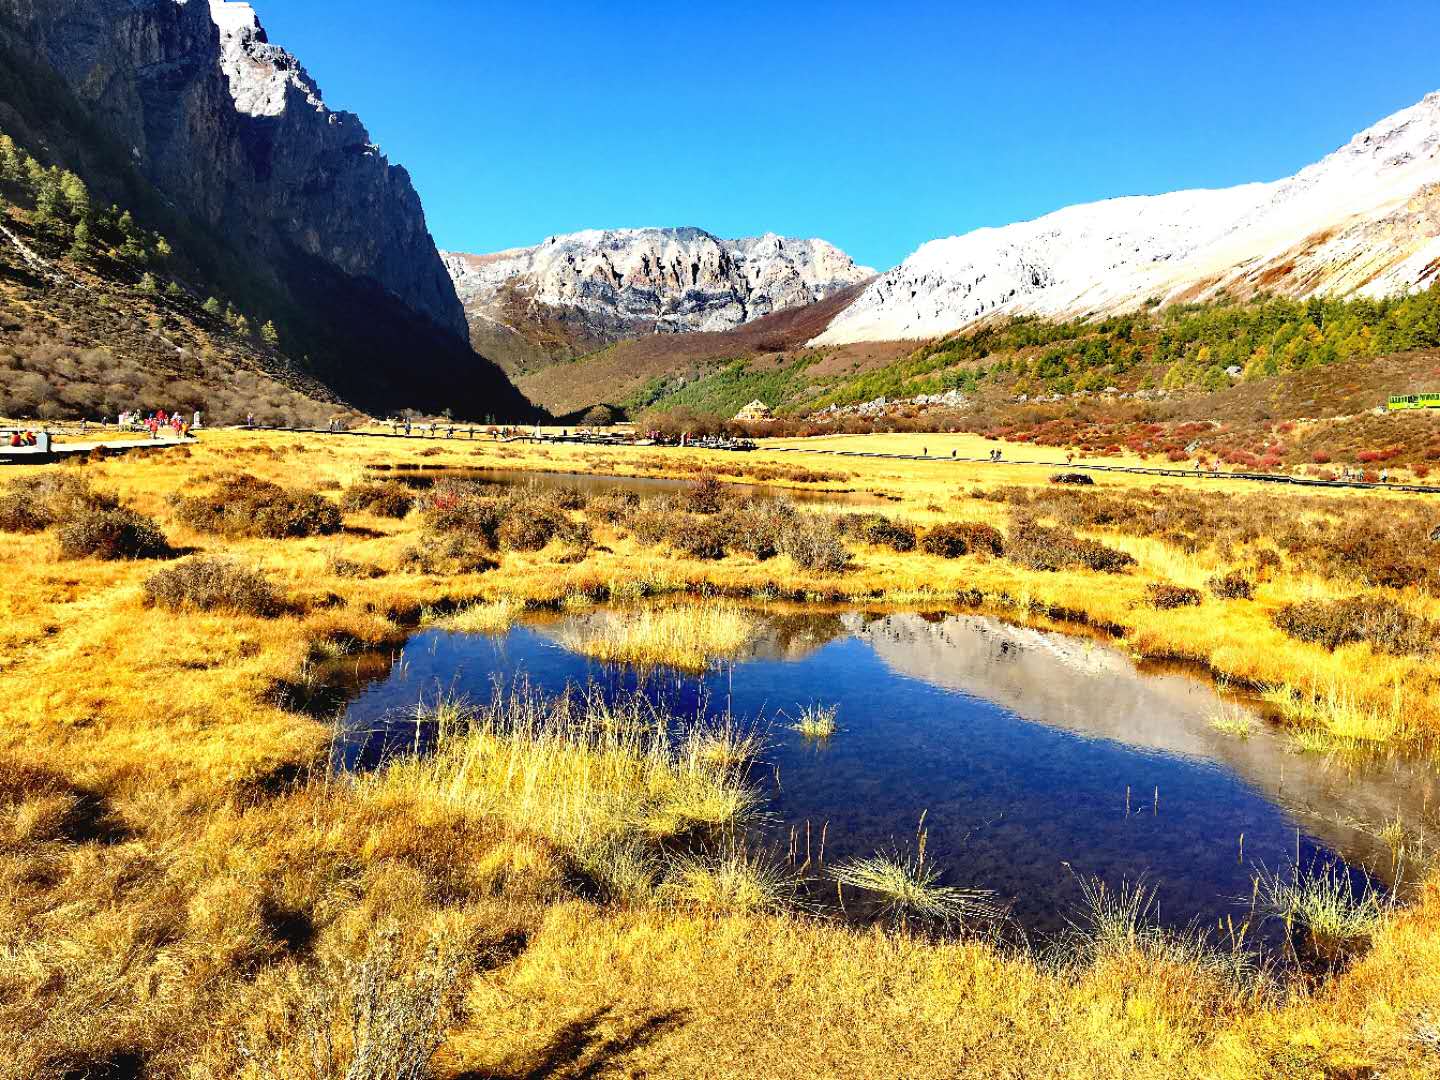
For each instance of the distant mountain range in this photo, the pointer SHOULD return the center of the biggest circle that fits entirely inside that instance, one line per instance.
(1364, 221)
(572, 294)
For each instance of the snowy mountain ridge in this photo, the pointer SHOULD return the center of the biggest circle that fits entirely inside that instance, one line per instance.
(1363, 220)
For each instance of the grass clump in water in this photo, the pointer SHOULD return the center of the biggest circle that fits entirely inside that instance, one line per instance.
(585, 773)
(689, 637)
(1325, 910)
(817, 721)
(904, 890)
(485, 617)
(1236, 723)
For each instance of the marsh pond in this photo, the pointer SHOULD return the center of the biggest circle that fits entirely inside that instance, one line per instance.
(1039, 760)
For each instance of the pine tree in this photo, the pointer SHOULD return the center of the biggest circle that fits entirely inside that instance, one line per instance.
(12, 168)
(148, 285)
(242, 326)
(162, 248)
(269, 334)
(80, 247)
(76, 195)
(173, 291)
(211, 307)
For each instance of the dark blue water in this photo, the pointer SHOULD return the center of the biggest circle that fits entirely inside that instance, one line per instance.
(1023, 807)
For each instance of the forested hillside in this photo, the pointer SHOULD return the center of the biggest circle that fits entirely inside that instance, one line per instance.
(94, 317)
(1202, 347)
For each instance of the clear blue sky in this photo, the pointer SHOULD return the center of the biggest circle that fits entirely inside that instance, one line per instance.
(875, 125)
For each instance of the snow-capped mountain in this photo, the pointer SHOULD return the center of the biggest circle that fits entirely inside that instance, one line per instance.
(578, 291)
(1364, 220)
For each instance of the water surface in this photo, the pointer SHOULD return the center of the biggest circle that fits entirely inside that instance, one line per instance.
(1036, 758)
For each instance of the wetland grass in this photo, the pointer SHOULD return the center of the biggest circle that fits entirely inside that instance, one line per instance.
(685, 636)
(171, 863)
(816, 722)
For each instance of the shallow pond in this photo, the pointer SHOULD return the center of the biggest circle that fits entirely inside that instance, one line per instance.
(1037, 758)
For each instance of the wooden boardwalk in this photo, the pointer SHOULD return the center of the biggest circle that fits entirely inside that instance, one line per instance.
(47, 450)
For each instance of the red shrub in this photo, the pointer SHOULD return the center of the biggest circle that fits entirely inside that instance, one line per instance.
(1320, 457)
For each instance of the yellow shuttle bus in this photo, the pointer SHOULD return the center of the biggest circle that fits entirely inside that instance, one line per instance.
(1414, 401)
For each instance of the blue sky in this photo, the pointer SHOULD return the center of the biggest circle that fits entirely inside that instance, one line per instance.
(877, 126)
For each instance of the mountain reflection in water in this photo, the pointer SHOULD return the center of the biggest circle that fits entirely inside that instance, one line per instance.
(1035, 756)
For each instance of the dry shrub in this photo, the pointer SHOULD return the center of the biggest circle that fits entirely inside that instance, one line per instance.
(530, 526)
(1232, 586)
(246, 506)
(1036, 547)
(612, 506)
(879, 530)
(1382, 622)
(35, 503)
(209, 583)
(381, 1018)
(706, 496)
(1166, 597)
(814, 543)
(755, 527)
(111, 533)
(350, 568)
(446, 555)
(952, 539)
(384, 500)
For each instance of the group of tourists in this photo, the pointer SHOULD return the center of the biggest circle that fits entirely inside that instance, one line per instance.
(23, 438)
(159, 422)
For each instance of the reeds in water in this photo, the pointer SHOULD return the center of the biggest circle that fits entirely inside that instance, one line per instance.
(586, 772)
(905, 890)
(816, 721)
(686, 636)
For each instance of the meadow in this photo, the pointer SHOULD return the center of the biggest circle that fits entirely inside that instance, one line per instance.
(186, 888)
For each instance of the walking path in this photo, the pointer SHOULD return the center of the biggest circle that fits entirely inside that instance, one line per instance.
(1142, 470)
(39, 455)
(1192, 474)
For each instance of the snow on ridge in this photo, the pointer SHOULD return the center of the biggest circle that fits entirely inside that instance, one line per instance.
(1118, 253)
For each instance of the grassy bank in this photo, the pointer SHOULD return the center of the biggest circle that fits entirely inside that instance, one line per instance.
(186, 891)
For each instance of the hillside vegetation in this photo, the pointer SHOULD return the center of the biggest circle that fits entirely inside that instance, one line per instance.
(94, 318)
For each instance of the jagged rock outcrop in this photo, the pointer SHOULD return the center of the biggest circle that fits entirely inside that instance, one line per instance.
(272, 195)
(1364, 220)
(577, 292)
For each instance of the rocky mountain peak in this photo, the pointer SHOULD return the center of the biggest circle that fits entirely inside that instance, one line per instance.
(585, 289)
(261, 75)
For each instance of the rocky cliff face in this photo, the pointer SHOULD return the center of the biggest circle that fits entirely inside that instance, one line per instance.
(1364, 220)
(576, 292)
(287, 201)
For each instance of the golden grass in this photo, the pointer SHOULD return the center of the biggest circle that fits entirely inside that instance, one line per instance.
(485, 617)
(816, 721)
(581, 771)
(687, 636)
(180, 892)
